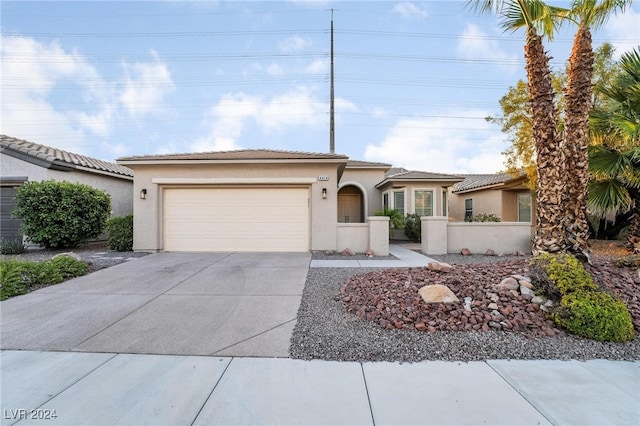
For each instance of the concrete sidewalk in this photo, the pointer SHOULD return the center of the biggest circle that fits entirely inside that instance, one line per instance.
(106, 388)
(406, 258)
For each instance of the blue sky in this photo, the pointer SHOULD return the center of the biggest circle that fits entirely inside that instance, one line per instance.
(413, 80)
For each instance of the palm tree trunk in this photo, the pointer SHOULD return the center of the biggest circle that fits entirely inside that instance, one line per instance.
(633, 236)
(578, 101)
(549, 236)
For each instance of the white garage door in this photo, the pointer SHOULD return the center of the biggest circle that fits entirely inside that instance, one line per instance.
(236, 219)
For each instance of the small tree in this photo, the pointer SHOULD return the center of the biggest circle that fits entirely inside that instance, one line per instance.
(61, 214)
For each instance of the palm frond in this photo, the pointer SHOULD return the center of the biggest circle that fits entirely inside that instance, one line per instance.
(608, 196)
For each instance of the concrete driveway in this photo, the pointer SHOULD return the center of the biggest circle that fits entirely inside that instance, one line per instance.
(224, 304)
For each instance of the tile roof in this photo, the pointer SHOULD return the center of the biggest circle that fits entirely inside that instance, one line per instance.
(367, 164)
(53, 158)
(478, 181)
(399, 174)
(243, 154)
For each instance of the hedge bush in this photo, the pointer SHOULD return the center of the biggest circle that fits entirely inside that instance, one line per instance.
(120, 233)
(413, 227)
(18, 276)
(61, 214)
(484, 217)
(557, 275)
(595, 315)
(585, 309)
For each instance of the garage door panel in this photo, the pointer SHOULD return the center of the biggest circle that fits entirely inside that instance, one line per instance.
(237, 219)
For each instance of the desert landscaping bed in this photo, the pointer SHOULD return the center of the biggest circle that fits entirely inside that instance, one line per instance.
(378, 316)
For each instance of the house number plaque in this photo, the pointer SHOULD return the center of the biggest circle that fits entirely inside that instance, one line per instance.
(323, 178)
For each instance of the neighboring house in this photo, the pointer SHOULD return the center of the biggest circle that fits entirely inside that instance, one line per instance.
(23, 161)
(266, 200)
(501, 194)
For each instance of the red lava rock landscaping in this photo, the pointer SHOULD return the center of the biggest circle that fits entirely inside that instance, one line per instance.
(390, 298)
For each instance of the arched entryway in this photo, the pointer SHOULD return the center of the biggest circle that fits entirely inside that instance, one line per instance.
(350, 205)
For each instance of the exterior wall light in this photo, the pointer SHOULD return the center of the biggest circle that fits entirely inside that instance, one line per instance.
(324, 193)
(143, 194)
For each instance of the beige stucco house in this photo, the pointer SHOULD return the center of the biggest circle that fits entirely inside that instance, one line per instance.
(266, 200)
(23, 161)
(502, 194)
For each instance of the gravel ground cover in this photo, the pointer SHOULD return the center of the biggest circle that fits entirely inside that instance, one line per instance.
(327, 330)
(322, 255)
(96, 255)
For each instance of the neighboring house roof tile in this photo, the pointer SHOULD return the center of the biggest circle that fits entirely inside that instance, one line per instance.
(244, 154)
(54, 158)
(480, 181)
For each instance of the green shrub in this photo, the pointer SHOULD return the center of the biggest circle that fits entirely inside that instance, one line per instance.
(11, 246)
(396, 220)
(484, 217)
(61, 214)
(561, 274)
(413, 227)
(68, 267)
(595, 315)
(120, 233)
(18, 276)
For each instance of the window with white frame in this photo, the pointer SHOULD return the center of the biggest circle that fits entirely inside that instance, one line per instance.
(398, 201)
(423, 202)
(385, 200)
(524, 207)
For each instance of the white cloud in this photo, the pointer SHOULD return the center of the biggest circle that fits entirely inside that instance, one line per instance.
(473, 45)
(442, 145)
(410, 10)
(228, 118)
(623, 30)
(294, 44)
(234, 112)
(145, 86)
(31, 71)
(297, 107)
(317, 67)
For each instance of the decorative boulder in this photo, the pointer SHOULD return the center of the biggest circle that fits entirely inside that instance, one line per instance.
(348, 252)
(437, 293)
(69, 254)
(465, 252)
(509, 283)
(369, 253)
(439, 267)
(490, 252)
(329, 252)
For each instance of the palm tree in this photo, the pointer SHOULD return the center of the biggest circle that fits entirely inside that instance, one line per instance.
(615, 162)
(587, 14)
(539, 20)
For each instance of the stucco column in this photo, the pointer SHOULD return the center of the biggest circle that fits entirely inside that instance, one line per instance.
(379, 235)
(434, 234)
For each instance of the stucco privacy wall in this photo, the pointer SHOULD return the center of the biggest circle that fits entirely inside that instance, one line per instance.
(360, 237)
(440, 236)
(120, 189)
(148, 213)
